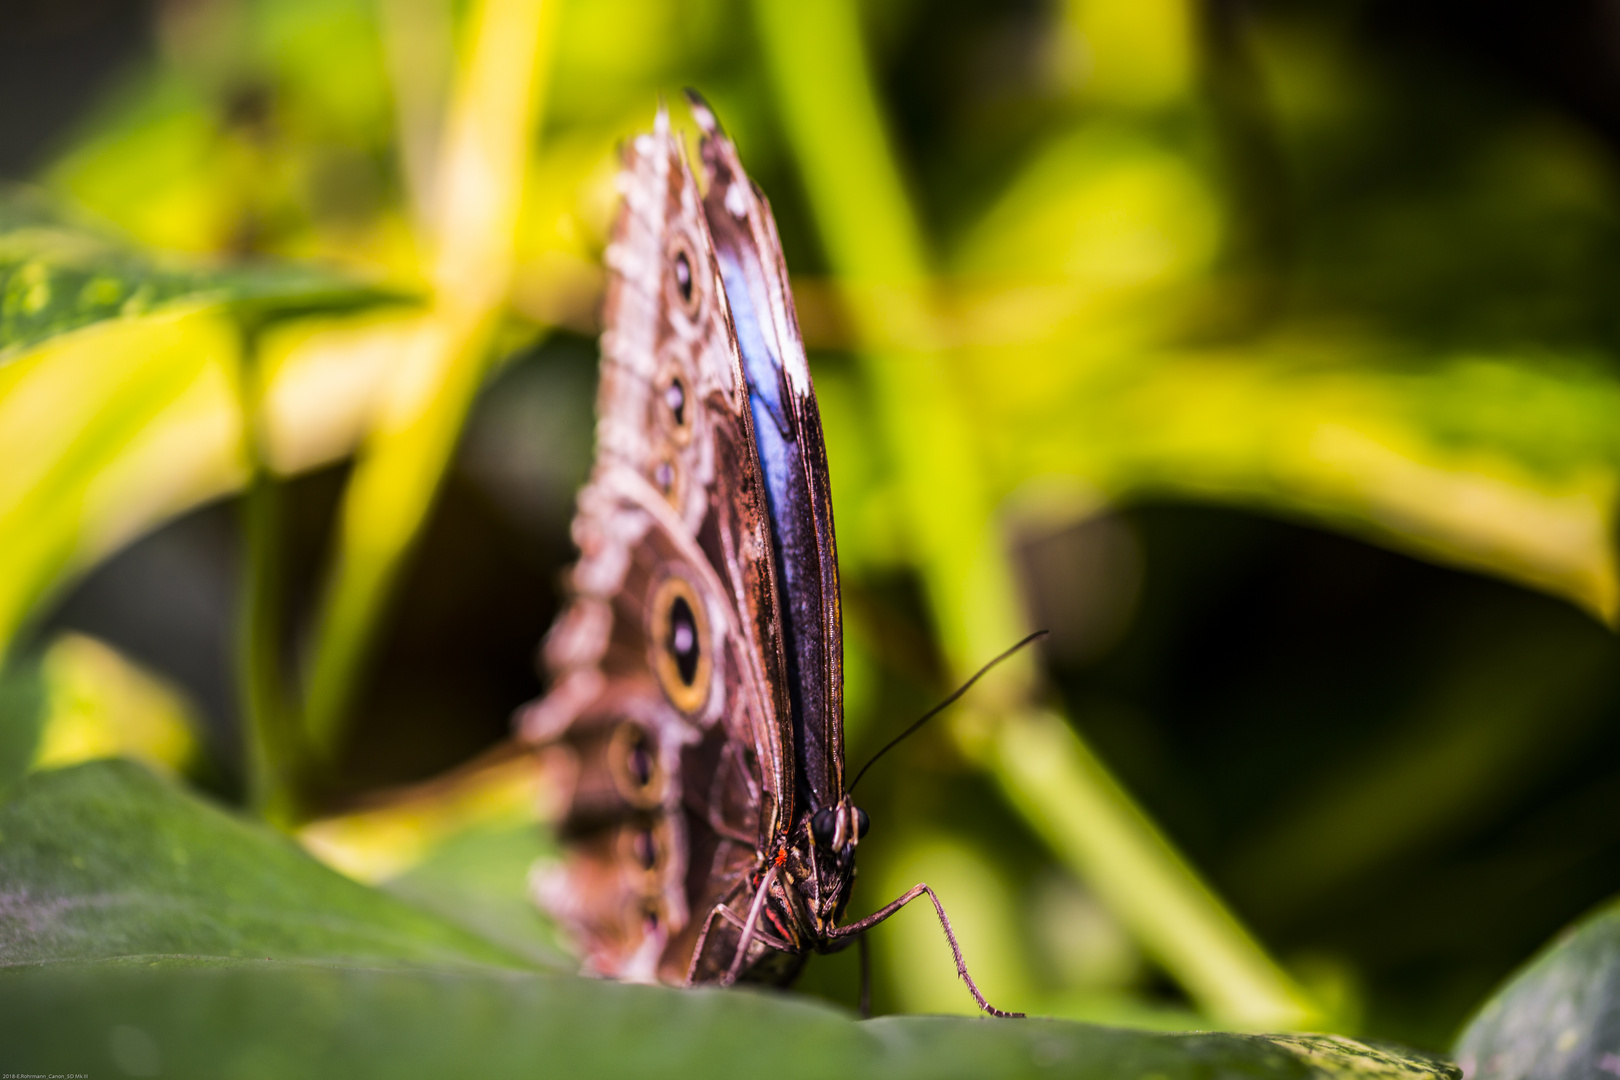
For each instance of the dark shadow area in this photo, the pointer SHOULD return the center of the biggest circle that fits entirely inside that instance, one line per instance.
(1400, 772)
(56, 59)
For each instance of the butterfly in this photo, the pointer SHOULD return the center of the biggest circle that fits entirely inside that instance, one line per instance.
(694, 723)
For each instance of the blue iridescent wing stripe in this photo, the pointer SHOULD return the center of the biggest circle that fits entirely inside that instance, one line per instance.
(793, 461)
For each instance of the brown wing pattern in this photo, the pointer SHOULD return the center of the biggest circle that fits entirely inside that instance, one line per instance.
(666, 668)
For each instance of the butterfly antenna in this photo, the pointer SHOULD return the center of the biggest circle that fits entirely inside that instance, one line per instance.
(941, 707)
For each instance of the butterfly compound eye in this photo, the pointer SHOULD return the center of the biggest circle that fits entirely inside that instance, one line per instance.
(679, 641)
(824, 825)
(862, 823)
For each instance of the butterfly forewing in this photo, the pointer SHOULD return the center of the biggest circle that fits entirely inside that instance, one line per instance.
(793, 459)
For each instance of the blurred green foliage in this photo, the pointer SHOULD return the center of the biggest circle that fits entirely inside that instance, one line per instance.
(1055, 264)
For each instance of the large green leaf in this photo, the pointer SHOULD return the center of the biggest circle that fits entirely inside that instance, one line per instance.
(1557, 1018)
(58, 275)
(145, 932)
(478, 878)
(290, 1020)
(105, 860)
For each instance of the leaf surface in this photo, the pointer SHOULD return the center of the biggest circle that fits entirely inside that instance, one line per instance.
(104, 860)
(145, 932)
(59, 275)
(287, 1019)
(1559, 1016)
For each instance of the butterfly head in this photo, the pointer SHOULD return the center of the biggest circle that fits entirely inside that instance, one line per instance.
(839, 828)
(823, 856)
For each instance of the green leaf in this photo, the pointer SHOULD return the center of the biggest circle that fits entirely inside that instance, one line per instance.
(478, 878)
(251, 1019)
(1501, 464)
(143, 931)
(59, 275)
(108, 430)
(105, 860)
(117, 399)
(1557, 1017)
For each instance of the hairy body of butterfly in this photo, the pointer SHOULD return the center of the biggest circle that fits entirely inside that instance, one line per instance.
(695, 719)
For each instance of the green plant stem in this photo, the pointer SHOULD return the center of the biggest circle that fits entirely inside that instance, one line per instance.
(832, 118)
(1060, 787)
(482, 173)
(271, 760)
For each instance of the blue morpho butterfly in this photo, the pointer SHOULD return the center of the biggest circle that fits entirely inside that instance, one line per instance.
(695, 720)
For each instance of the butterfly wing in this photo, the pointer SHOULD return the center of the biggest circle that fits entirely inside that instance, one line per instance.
(793, 460)
(664, 725)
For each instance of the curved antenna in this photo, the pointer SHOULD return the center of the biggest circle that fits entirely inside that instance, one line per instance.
(937, 709)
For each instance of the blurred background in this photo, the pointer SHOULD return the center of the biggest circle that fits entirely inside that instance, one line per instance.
(1265, 352)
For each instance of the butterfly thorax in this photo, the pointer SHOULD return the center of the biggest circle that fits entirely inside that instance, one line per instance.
(818, 867)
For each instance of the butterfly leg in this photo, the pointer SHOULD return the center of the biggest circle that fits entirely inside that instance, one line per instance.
(703, 939)
(747, 935)
(861, 925)
(695, 973)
